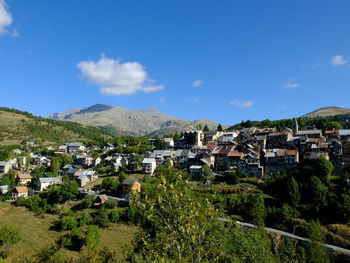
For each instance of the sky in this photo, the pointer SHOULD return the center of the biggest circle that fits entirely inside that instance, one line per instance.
(227, 60)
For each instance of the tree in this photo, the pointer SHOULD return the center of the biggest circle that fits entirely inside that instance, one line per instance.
(111, 184)
(178, 225)
(114, 216)
(292, 191)
(92, 236)
(247, 247)
(231, 177)
(73, 240)
(219, 128)
(136, 164)
(316, 252)
(68, 222)
(62, 193)
(316, 193)
(256, 209)
(206, 128)
(9, 236)
(102, 217)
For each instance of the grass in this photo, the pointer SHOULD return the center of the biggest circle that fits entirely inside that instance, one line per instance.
(35, 233)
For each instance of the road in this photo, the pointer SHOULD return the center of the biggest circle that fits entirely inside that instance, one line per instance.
(330, 248)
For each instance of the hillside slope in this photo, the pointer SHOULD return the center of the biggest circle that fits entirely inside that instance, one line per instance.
(327, 111)
(16, 126)
(172, 129)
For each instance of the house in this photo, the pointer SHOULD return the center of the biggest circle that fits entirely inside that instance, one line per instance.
(196, 171)
(344, 135)
(45, 182)
(278, 139)
(30, 143)
(211, 136)
(169, 142)
(149, 165)
(5, 167)
(108, 146)
(309, 133)
(221, 159)
(83, 160)
(85, 177)
(181, 158)
(19, 191)
(62, 149)
(100, 200)
(228, 136)
(95, 161)
(129, 185)
(73, 147)
(280, 160)
(191, 138)
(24, 178)
(4, 189)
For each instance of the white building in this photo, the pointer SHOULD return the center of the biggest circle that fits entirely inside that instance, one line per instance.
(45, 182)
(149, 165)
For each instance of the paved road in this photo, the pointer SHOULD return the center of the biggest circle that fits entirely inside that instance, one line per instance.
(330, 248)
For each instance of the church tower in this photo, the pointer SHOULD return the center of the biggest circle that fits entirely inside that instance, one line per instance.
(295, 126)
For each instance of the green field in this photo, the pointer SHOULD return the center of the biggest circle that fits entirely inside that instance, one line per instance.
(35, 233)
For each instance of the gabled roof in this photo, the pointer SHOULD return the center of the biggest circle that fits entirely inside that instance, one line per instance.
(24, 176)
(21, 189)
(149, 160)
(44, 180)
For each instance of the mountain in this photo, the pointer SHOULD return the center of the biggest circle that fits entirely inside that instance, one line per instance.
(121, 121)
(327, 111)
(17, 126)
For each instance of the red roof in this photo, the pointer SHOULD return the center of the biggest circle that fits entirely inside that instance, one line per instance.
(21, 189)
(235, 154)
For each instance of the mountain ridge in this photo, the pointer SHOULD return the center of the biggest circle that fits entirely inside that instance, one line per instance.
(326, 112)
(141, 122)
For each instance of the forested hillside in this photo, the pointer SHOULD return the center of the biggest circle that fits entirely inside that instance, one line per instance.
(16, 126)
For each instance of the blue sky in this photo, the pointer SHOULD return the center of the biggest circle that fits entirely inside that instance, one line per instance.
(223, 60)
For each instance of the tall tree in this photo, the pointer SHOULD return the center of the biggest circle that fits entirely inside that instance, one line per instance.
(219, 127)
(179, 226)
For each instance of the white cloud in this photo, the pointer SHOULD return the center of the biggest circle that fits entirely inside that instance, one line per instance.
(338, 61)
(242, 104)
(162, 99)
(117, 78)
(290, 84)
(197, 83)
(195, 100)
(5, 17)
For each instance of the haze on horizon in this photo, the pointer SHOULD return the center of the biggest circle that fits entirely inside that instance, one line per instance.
(227, 61)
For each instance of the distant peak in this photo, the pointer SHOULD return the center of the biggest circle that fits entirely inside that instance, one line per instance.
(96, 108)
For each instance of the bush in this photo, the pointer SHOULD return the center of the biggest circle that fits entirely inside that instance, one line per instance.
(114, 216)
(84, 219)
(102, 217)
(92, 236)
(9, 236)
(72, 240)
(68, 222)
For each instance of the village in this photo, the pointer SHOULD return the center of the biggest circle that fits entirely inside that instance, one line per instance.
(205, 155)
